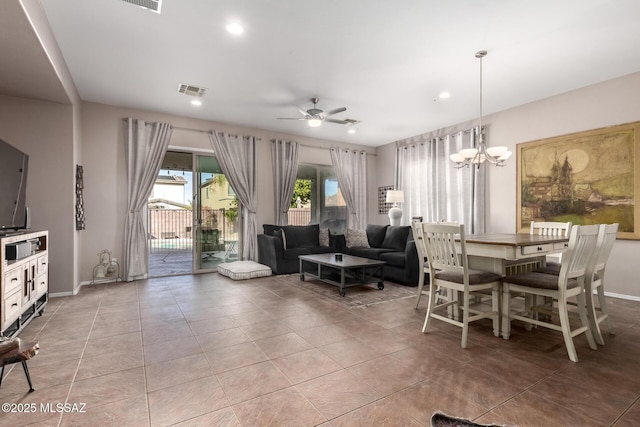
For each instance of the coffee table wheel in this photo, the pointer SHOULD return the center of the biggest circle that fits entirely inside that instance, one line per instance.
(302, 277)
(380, 285)
(342, 292)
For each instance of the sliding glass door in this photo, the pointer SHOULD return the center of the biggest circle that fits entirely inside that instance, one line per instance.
(215, 212)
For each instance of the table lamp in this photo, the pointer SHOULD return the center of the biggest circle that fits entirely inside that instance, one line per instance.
(395, 213)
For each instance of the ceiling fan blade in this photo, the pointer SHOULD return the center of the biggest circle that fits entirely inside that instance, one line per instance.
(290, 118)
(332, 112)
(303, 111)
(340, 122)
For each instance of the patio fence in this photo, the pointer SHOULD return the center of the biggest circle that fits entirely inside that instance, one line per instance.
(172, 229)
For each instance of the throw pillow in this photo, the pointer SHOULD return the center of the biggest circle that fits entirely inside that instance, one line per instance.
(396, 237)
(324, 237)
(356, 238)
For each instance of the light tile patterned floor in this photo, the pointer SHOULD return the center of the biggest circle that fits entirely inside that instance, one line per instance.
(206, 351)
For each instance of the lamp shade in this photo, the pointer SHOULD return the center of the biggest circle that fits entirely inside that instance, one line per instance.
(395, 196)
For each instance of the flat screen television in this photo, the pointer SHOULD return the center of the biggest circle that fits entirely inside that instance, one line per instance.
(14, 168)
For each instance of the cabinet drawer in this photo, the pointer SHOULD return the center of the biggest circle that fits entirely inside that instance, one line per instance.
(537, 249)
(43, 264)
(41, 284)
(560, 246)
(11, 307)
(12, 281)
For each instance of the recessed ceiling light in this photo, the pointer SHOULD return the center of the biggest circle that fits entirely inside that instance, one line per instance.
(444, 95)
(234, 28)
(351, 131)
(196, 102)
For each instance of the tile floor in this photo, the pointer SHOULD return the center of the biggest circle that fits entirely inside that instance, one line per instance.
(206, 351)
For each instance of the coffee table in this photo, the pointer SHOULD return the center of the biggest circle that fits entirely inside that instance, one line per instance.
(351, 271)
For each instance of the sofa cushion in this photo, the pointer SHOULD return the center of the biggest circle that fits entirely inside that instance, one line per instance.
(396, 237)
(371, 253)
(302, 236)
(270, 228)
(356, 238)
(296, 252)
(375, 234)
(393, 258)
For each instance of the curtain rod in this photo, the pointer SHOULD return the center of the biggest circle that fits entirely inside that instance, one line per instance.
(208, 131)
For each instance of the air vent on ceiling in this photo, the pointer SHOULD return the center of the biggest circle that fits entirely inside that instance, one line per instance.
(191, 90)
(351, 122)
(153, 5)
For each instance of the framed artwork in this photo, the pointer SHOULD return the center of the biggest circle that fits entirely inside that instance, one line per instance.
(589, 177)
(383, 207)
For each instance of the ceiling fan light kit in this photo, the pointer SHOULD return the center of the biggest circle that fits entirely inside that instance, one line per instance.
(476, 156)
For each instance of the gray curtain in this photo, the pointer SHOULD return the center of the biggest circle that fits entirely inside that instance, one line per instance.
(284, 156)
(236, 155)
(351, 170)
(433, 188)
(145, 147)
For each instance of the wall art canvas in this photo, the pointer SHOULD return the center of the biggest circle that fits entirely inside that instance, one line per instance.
(383, 206)
(589, 177)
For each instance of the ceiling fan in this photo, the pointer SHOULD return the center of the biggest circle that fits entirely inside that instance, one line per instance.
(315, 116)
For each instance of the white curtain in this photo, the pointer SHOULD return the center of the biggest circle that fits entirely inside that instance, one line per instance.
(284, 156)
(433, 188)
(146, 145)
(351, 170)
(236, 155)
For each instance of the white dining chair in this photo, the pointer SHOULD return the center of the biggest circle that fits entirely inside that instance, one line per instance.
(551, 228)
(595, 281)
(570, 282)
(423, 265)
(448, 270)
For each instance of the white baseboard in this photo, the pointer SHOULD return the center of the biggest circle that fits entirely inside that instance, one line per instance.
(622, 296)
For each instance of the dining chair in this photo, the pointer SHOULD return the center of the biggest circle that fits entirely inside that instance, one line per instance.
(595, 281)
(422, 259)
(448, 270)
(551, 228)
(569, 283)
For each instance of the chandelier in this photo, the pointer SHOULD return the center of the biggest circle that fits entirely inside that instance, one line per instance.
(476, 156)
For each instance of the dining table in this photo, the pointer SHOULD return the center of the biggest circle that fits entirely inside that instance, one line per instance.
(512, 253)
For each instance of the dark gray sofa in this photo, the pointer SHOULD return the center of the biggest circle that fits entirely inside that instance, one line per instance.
(281, 252)
(395, 246)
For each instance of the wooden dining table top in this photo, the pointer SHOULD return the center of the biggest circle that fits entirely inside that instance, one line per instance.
(513, 239)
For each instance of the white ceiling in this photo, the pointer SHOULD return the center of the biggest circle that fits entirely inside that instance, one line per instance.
(386, 61)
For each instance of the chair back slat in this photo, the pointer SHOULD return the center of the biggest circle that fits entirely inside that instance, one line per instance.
(606, 238)
(440, 244)
(561, 229)
(419, 240)
(582, 244)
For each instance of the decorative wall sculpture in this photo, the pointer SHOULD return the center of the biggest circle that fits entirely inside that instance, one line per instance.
(80, 225)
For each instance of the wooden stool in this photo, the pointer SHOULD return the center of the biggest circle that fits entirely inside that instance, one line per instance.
(25, 351)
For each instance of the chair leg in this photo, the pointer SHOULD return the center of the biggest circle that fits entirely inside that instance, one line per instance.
(506, 321)
(26, 372)
(420, 286)
(582, 312)
(566, 329)
(592, 312)
(495, 307)
(465, 317)
(432, 304)
(603, 309)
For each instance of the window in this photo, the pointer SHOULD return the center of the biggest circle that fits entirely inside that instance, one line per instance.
(320, 200)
